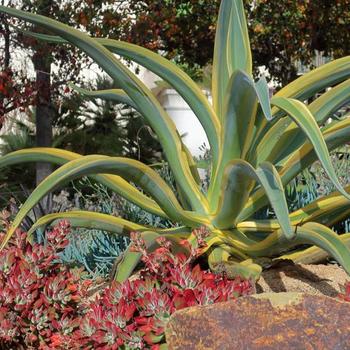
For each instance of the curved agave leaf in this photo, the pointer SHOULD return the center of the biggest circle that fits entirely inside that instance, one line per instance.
(219, 239)
(327, 210)
(302, 116)
(216, 256)
(313, 254)
(239, 178)
(329, 102)
(231, 50)
(237, 234)
(166, 70)
(317, 80)
(130, 259)
(119, 96)
(336, 246)
(302, 88)
(178, 80)
(335, 216)
(116, 95)
(334, 136)
(310, 233)
(219, 263)
(133, 170)
(259, 226)
(60, 157)
(240, 110)
(103, 222)
(90, 220)
(322, 108)
(321, 208)
(137, 91)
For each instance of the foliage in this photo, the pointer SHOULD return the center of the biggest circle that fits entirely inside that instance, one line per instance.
(39, 297)
(140, 308)
(104, 127)
(43, 305)
(95, 250)
(14, 94)
(281, 32)
(258, 145)
(89, 127)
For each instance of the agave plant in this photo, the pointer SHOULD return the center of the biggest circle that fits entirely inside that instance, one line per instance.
(258, 145)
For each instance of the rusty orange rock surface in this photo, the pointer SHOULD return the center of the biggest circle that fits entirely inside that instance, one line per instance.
(265, 321)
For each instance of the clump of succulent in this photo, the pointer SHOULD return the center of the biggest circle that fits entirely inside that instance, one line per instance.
(39, 297)
(45, 305)
(258, 145)
(141, 307)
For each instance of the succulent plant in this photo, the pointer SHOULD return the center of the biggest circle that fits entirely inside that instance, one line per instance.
(258, 145)
(46, 305)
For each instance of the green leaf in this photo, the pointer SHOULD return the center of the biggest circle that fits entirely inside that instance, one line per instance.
(313, 254)
(240, 110)
(272, 184)
(231, 50)
(330, 102)
(104, 222)
(133, 170)
(219, 263)
(302, 116)
(325, 210)
(328, 240)
(60, 157)
(131, 259)
(310, 233)
(302, 89)
(90, 220)
(317, 80)
(116, 95)
(238, 180)
(322, 108)
(334, 136)
(178, 80)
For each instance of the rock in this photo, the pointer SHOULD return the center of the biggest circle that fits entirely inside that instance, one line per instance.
(311, 279)
(263, 321)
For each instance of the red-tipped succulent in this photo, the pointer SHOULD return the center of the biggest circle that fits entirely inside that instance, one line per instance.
(44, 305)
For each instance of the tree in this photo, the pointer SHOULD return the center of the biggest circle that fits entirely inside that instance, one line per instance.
(281, 32)
(45, 92)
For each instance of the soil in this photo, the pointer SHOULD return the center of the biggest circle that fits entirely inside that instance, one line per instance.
(313, 279)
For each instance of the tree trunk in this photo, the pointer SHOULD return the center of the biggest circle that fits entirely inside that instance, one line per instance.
(44, 113)
(5, 30)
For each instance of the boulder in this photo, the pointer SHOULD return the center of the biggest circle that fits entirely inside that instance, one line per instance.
(263, 321)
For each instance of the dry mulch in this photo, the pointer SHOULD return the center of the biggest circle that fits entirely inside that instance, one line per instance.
(313, 279)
